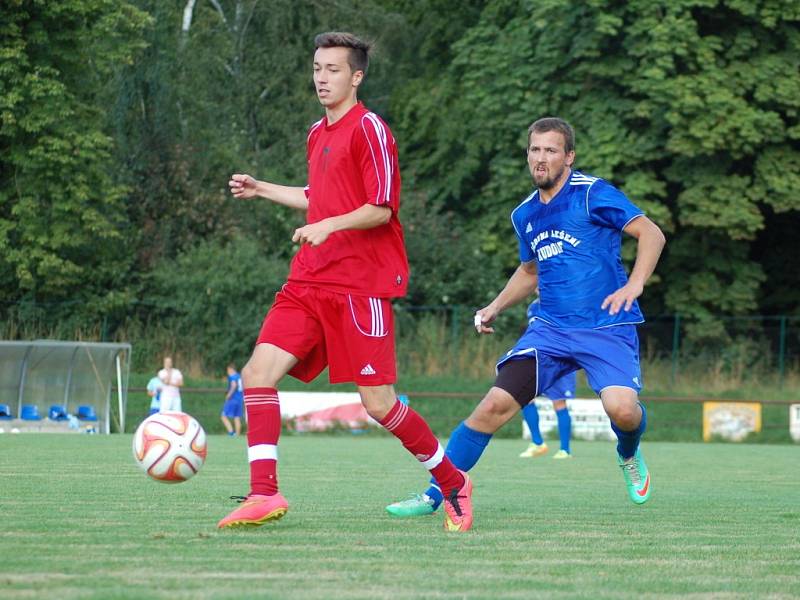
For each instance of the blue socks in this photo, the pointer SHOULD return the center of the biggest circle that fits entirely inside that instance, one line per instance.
(531, 415)
(628, 441)
(464, 449)
(564, 428)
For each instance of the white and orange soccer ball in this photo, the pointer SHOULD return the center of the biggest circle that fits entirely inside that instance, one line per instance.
(170, 446)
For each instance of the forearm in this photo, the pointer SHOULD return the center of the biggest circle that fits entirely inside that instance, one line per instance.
(650, 244)
(366, 216)
(521, 285)
(293, 197)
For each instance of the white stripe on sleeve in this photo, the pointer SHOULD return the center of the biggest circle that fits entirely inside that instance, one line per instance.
(380, 157)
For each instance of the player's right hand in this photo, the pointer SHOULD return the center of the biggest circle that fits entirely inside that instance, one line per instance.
(242, 186)
(483, 318)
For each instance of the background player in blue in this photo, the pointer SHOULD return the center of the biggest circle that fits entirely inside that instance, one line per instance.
(154, 391)
(234, 401)
(558, 393)
(569, 233)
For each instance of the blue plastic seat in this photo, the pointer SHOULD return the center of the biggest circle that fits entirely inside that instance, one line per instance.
(57, 413)
(86, 413)
(5, 412)
(30, 412)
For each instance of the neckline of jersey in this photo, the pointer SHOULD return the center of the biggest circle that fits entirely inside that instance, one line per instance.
(561, 191)
(357, 108)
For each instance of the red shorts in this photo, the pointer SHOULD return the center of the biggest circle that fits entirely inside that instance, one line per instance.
(352, 335)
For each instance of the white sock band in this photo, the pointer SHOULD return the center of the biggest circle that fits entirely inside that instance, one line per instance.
(262, 452)
(436, 459)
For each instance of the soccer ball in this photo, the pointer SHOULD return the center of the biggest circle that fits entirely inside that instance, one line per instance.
(170, 446)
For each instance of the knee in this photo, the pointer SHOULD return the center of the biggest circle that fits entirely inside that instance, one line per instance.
(256, 374)
(496, 408)
(249, 373)
(376, 412)
(377, 401)
(627, 416)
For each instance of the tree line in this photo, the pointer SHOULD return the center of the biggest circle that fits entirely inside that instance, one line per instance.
(122, 120)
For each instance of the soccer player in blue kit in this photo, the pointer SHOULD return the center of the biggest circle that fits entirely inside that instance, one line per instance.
(569, 234)
(234, 402)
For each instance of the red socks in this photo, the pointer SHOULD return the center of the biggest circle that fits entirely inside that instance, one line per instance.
(415, 435)
(263, 431)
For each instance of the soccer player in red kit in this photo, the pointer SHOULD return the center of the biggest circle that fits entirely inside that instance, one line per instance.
(335, 308)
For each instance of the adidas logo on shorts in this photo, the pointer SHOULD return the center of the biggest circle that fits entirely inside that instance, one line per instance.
(368, 370)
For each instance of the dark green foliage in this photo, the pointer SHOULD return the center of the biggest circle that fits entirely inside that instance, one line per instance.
(691, 108)
(62, 215)
(209, 302)
(122, 121)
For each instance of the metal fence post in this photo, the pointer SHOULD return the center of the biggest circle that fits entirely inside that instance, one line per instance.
(676, 337)
(454, 324)
(781, 351)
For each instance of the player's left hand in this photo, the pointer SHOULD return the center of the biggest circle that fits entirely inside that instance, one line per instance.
(314, 234)
(484, 317)
(622, 298)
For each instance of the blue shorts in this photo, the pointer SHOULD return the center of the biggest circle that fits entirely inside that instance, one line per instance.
(563, 388)
(232, 408)
(610, 356)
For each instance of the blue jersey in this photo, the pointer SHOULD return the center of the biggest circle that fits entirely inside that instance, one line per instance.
(533, 310)
(238, 393)
(154, 386)
(575, 240)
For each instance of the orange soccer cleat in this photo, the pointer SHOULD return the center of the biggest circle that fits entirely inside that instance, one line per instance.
(256, 510)
(458, 507)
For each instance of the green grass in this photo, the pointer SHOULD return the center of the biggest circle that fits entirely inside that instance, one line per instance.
(82, 521)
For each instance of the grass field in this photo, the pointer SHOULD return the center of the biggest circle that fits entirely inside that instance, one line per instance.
(82, 521)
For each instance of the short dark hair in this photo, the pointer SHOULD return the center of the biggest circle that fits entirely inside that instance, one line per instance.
(359, 49)
(554, 124)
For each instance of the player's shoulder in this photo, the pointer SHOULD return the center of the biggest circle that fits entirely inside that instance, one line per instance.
(373, 124)
(523, 208)
(591, 187)
(315, 127)
(526, 203)
(579, 179)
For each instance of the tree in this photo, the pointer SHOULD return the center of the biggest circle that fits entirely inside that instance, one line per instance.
(61, 210)
(691, 107)
(209, 301)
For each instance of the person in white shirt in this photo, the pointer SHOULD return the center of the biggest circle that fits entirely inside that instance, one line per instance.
(172, 380)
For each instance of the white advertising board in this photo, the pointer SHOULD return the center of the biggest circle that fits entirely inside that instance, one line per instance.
(589, 420)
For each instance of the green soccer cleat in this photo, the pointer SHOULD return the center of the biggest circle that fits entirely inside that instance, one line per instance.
(534, 451)
(418, 505)
(637, 477)
(561, 455)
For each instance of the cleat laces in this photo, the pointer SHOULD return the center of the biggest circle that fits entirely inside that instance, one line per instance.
(453, 500)
(414, 499)
(631, 468)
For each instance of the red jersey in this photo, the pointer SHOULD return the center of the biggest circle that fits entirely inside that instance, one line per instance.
(351, 163)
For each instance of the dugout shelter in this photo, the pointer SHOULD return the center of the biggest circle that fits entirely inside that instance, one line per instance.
(88, 380)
